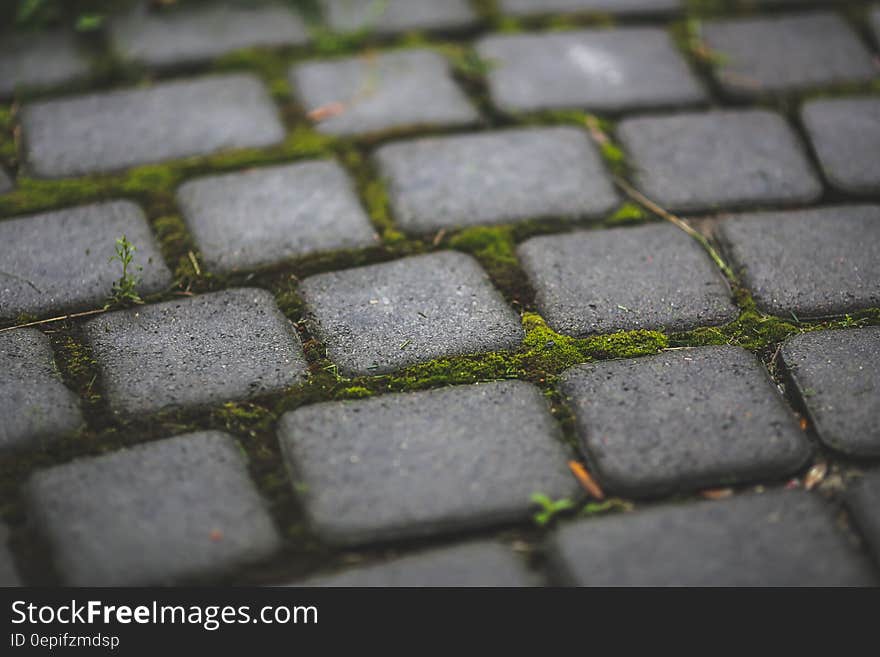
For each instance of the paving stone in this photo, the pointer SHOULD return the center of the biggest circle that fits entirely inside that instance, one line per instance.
(395, 90)
(718, 159)
(534, 7)
(383, 317)
(647, 277)
(780, 538)
(682, 421)
(41, 274)
(185, 36)
(39, 60)
(180, 508)
(5, 182)
(106, 131)
(417, 464)
(598, 69)
(35, 405)
(264, 216)
(812, 263)
(786, 53)
(845, 134)
(199, 350)
(8, 573)
(496, 177)
(483, 564)
(863, 500)
(837, 376)
(392, 16)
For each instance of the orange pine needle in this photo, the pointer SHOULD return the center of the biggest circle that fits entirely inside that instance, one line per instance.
(326, 111)
(580, 473)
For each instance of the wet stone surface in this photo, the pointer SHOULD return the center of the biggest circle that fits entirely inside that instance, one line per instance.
(40, 61)
(393, 16)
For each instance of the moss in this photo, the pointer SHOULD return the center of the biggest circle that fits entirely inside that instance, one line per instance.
(628, 213)
(354, 392)
(77, 366)
(495, 248)
(8, 148)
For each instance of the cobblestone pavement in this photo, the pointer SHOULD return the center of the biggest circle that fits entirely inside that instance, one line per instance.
(400, 281)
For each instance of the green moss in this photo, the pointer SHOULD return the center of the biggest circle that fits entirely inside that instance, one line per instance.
(495, 248)
(8, 150)
(354, 392)
(77, 366)
(628, 213)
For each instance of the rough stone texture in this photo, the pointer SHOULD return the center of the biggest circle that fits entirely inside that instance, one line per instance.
(597, 70)
(392, 16)
(181, 508)
(786, 53)
(649, 277)
(422, 463)
(483, 564)
(780, 538)
(537, 7)
(59, 261)
(199, 350)
(395, 90)
(5, 182)
(383, 317)
(497, 177)
(683, 420)
(863, 500)
(35, 405)
(845, 133)
(8, 574)
(812, 263)
(106, 131)
(837, 376)
(718, 159)
(185, 36)
(261, 217)
(40, 60)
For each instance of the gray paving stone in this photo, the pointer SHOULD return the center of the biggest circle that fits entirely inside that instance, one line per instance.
(59, 261)
(837, 375)
(383, 317)
(417, 464)
(35, 405)
(863, 500)
(5, 182)
(8, 573)
(199, 350)
(390, 16)
(812, 263)
(106, 131)
(845, 134)
(39, 60)
(682, 421)
(176, 509)
(719, 159)
(780, 538)
(598, 70)
(395, 90)
(262, 217)
(483, 564)
(786, 53)
(647, 277)
(185, 36)
(533, 7)
(495, 177)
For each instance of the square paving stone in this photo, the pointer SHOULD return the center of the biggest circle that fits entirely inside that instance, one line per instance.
(184, 36)
(390, 16)
(483, 564)
(493, 178)
(598, 70)
(384, 317)
(786, 53)
(647, 277)
(8, 573)
(112, 130)
(683, 420)
(845, 133)
(780, 538)
(837, 376)
(718, 159)
(59, 261)
(39, 60)
(177, 509)
(35, 405)
(863, 500)
(812, 263)
(395, 90)
(264, 216)
(417, 464)
(533, 7)
(199, 350)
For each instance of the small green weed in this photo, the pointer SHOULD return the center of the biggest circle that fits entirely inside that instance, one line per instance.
(550, 508)
(125, 289)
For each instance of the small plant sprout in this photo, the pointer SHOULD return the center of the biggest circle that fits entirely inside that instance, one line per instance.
(125, 289)
(549, 508)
